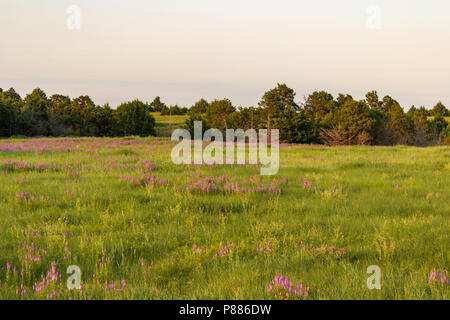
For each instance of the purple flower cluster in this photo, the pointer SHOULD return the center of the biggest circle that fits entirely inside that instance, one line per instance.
(114, 287)
(264, 247)
(225, 251)
(32, 234)
(73, 173)
(283, 288)
(25, 197)
(50, 284)
(30, 252)
(307, 184)
(146, 164)
(22, 290)
(196, 250)
(204, 184)
(146, 180)
(67, 252)
(68, 193)
(27, 166)
(76, 145)
(439, 277)
(115, 165)
(228, 184)
(105, 260)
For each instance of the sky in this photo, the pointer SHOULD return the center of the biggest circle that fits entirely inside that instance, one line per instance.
(183, 50)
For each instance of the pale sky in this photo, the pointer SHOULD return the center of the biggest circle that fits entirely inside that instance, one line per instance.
(183, 50)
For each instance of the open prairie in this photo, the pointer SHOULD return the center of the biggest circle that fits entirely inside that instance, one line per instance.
(140, 227)
(166, 124)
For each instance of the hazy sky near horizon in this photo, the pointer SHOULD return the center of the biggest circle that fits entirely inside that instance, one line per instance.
(183, 50)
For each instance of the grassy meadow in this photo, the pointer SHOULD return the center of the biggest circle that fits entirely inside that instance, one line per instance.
(166, 124)
(140, 227)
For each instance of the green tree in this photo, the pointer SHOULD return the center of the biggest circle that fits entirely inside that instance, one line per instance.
(105, 121)
(59, 104)
(419, 135)
(245, 118)
(373, 101)
(392, 125)
(35, 110)
(398, 119)
(388, 103)
(296, 127)
(199, 107)
(437, 128)
(423, 112)
(439, 110)
(319, 107)
(157, 105)
(59, 114)
(354, 118)
(19, 123)
(134, 118)
(172, 111)
(82, 116)
(217, 113)
(37, 102)
(11, 96)
(412, 112)
(6, 114)
(276, 101)
(196, 117)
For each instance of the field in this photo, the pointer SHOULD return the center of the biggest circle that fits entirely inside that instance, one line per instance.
(140, 227)
(166, 124)
(446, 119)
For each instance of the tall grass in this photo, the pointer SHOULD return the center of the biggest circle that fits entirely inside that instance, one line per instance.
(385, 206)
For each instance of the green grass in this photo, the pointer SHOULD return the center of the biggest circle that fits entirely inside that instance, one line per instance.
(386, 206)
(446, 119)
(166, 124)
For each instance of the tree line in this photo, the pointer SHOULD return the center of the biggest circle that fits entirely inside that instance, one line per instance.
(58, 115)
(320, 118)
